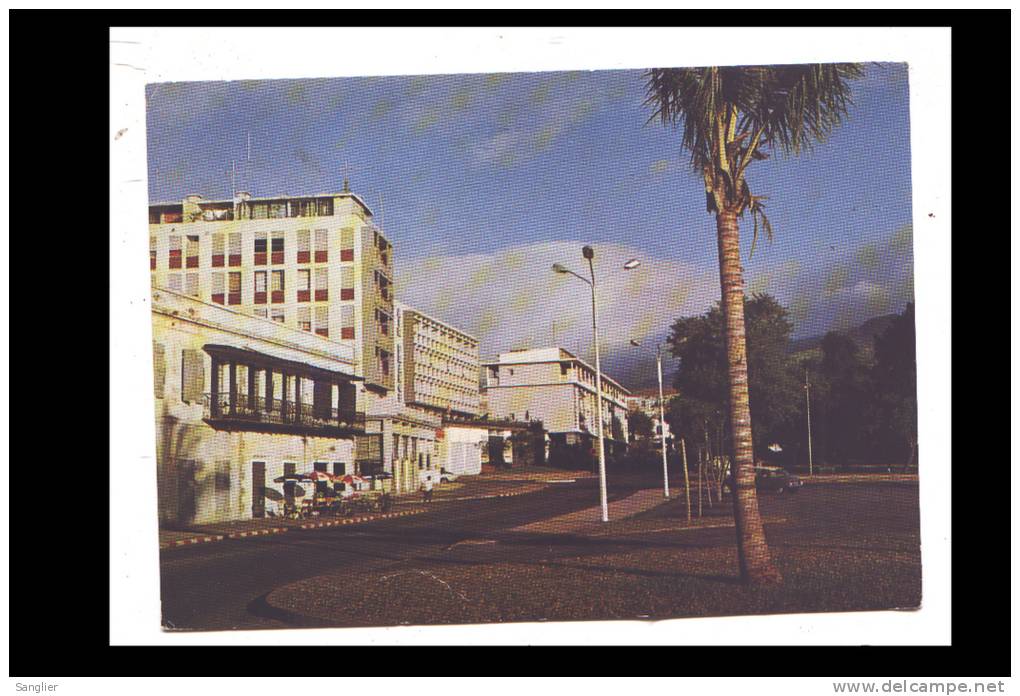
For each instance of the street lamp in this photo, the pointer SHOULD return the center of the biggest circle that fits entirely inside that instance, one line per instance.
(662, 413)
(589, 254)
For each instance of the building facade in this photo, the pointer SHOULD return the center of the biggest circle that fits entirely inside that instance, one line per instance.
(647, 401)
(240, 401)
(313, 263)
(558, 388)
(435, 377)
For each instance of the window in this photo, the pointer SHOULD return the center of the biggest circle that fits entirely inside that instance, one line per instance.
(383, 321)
(339, 469)
(347, 283)
(218, 254)
(173, 281)
(304, 282)
(321, 284)
(152, 252)
(260, 287)
(192, 376)
(277, 286)
(222, 481)
(175, 251)
(384, 362)
(304, 318)
(277, 248)
(304, 244)
(321, 486)
(191, 284)
(158, 369)
(321, 246)
(322, 320)
(234, 251)
(278, 209)
(218, 288)
(192, 251)
(347, 244)
(347, 321)
(234, 288)
(277, 314)
(261, 256)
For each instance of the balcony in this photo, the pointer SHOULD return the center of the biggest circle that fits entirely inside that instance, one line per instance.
(276, 415)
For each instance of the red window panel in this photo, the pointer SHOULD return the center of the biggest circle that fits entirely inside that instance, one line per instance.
(192, 262)
(152, 262)
(347, 332)
(277, 295)
(321, 295)
(175, 258)
(277, 257)
(304, 295)
(322, 332)
(260, 258)
(173, 217)
(235, 260)
(234, 298)
(218, 260)
(260, 298)
(347, 254)
(218, 297)
(346, 293)
(321, 256)
(304, 257)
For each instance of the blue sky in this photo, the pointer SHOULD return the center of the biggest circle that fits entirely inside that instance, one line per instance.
(484, 180)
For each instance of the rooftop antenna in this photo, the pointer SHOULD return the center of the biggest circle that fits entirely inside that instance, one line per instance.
(380, 212)
(347, 185)
(249, 147)
(233, 173)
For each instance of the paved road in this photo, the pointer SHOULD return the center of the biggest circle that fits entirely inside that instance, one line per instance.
(222, 585)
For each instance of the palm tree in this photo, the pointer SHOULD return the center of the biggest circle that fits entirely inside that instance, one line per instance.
(732, 116)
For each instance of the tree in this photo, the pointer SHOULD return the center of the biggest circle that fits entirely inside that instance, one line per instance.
(730, 117)
(640, 425)
(773, 387)
(895, 373)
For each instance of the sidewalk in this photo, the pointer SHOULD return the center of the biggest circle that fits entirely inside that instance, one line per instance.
(590, 519)
(536, 474)
(240, 529)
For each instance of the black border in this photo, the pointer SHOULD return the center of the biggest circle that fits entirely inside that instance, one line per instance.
(58, 575)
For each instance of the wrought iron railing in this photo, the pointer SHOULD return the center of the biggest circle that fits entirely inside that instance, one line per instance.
(257, 409)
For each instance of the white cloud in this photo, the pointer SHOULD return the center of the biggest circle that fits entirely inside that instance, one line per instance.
(511, 298)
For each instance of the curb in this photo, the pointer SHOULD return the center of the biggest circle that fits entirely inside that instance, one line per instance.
(193, 540)
(355, 520)
(280, 530)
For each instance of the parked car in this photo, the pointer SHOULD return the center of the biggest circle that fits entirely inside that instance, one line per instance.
(770, 479)
(447, 476)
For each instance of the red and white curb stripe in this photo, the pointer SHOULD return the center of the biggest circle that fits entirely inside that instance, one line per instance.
(193, 540)
(355, 520)
(257, 532)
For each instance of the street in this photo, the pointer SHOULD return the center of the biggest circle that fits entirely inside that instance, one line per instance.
(840, 547)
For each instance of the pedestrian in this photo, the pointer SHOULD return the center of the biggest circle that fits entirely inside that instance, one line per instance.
(426, 488)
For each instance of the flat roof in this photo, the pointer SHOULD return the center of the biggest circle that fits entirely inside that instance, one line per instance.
(407, 308)
(283, 197)
(571, 358)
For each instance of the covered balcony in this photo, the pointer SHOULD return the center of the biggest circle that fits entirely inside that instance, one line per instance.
(258, 392)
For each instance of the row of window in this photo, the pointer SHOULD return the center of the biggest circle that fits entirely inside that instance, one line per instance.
(270, 286)
(268, 249)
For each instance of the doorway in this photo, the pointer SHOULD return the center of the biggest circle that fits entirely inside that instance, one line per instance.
(258, 489)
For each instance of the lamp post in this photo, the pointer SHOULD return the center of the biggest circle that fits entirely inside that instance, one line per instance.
(662, 414)
(589, 254)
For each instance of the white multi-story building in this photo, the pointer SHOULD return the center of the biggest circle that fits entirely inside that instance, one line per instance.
(313, 263)
(241, 401)
(556, 387)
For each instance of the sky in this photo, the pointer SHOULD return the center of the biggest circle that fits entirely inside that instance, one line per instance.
(483, 181)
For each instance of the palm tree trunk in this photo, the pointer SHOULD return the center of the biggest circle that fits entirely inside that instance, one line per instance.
(752, 550)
